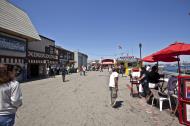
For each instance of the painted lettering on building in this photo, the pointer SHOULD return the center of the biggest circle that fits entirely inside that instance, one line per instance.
(12, 44)
(34, 54)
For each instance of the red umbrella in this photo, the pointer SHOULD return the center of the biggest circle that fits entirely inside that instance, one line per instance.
(150, 58)
(175, 49)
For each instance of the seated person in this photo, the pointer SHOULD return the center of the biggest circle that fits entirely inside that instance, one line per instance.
(172, 85)
(153, 76)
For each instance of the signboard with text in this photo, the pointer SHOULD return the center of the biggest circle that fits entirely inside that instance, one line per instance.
(8, 43)
(34, 54)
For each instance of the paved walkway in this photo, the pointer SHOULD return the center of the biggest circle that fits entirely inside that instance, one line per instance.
(84, 101)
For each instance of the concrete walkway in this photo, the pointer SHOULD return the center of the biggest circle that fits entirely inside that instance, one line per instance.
(84, 101)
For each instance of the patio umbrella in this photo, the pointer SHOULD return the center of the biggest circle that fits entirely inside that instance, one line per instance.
(175, 49)
(150, 58)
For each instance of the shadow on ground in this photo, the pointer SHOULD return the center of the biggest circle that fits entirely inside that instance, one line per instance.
(118, 104)
(66, 81)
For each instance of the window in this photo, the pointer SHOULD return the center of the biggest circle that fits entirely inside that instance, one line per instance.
(51, 50)
(47, 50)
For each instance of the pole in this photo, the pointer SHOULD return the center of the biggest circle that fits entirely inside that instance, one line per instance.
(179, 68)
(140, 47)
(140, 62)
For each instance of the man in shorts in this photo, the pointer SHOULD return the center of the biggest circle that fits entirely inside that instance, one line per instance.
(113, 86)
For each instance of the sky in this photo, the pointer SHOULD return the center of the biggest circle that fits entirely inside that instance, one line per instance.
(98, 27)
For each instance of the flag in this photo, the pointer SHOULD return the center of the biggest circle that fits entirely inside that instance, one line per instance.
(119, 47)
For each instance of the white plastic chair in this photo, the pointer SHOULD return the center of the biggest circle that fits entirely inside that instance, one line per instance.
(161, 99)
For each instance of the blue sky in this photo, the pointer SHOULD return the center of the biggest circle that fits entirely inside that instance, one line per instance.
(97, 27)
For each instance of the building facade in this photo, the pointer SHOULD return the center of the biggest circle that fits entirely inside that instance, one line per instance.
(16, 31)
(80, 59)
(65, 57)
(41, 56)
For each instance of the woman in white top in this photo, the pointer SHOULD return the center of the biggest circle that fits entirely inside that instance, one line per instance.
(10, 95)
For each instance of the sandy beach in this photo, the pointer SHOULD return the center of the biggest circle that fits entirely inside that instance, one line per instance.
(85, 101)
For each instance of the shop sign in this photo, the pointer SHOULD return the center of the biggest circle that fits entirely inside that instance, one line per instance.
(40, 55)
(8, 43)
(127, 58)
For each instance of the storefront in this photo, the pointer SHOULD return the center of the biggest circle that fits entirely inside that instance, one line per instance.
(38, 63)
(128, 62)
(41, 56)
(107, 62)
(12, 51)
(65, 57)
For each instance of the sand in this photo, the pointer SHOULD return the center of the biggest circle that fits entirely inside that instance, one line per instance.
(85, 101)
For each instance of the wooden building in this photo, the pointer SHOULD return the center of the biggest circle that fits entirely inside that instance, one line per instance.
(41, 56)
(16, 31)
(65, 57)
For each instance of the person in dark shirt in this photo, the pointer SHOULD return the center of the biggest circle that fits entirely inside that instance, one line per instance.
(64, 71)
(144, 81)
(122, 70)
(153, 76)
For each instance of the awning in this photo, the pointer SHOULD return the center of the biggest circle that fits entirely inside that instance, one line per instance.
(107, 63)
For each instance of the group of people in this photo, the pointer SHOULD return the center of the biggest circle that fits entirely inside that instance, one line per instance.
(51, 72)
(10, 94)
(148, 76)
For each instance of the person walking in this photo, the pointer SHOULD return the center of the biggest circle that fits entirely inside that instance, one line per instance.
(84, 70)
(113, 86)
(10, 95)
(110, 69)
(54, 72)
(47, 71)
(64, 73)
(122, 70)
(101, 68)
(81, 70)
(68, 69)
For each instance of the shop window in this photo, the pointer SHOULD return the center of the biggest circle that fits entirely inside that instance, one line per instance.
(4, 60)
(47, 50)
(51, 50)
